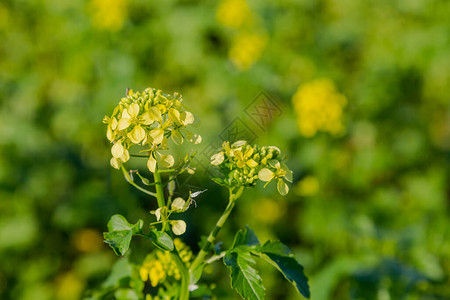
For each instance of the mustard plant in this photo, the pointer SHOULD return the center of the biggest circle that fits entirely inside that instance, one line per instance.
(146, 125)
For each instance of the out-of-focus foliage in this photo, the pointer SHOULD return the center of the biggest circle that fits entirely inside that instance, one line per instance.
(368, 213)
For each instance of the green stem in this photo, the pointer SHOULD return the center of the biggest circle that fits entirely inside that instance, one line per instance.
(159, 188)
(130, 181)
(184, 289)
(212, 236)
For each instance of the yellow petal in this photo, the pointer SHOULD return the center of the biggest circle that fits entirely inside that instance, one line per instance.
(157, 135)
(110, 134)
(238, 144)
(155, 113)
(158, 214)
(265, 174)
(133, 110)
(167, 160)
(115, 163)
(187, 118)
(251, 163)
(217, 159)
(238, 154)
(178, 204)
(249, 152)
(178, 227)
(114, 123)
(282, 187)
(151, 164)
(125, 114)
(137, 134)
(125, 157)
(177, 138)
(123, 123)
(174, 115)
(117, 150)
(146, 119)
(143, 273)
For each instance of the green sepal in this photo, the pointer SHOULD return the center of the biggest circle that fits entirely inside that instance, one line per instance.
(161, 240)
(220, 181)
(120, 233)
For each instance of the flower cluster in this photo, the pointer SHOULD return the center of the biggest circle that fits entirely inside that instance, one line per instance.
(249, 37)
(243, 164)
(149, 118)
(159, 265)
(108, 14)
(319, 107)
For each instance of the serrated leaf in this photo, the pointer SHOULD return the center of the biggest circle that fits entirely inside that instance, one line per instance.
(120, 233)
(244, 278)
(119, 241)
(161, 240)
(245, 237)
(281, 257)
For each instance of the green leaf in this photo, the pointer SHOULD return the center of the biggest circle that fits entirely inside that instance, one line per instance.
(120, 233)
(196, 274)
(244, 278)
(161, 240)
(120, 271)
(126, 294)
(281, 257)
(245, 237)
(119, 241)
(118, 222)
(202, 291)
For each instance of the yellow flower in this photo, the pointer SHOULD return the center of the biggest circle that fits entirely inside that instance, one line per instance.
(148, 118)
(234, 13)
(246, 49)
(241, 164)
(108, 14)
(159, 265)
(319, 107)
(152, 270)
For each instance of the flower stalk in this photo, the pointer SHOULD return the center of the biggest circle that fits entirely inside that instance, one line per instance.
(212, 236)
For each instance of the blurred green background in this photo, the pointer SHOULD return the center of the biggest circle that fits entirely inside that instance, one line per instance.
(368, 213)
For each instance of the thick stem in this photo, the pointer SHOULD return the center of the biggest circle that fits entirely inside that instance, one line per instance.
(184, 289)
(159, 188)
(185, 279)
(212, 236)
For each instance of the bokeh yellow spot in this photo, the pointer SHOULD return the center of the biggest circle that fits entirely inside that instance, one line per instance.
(87, 240)
(234, 13)
(108, 14)
(308, 186)
(268, 210)
(319, 107)
(247, 48)
(69, 286)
